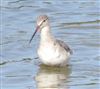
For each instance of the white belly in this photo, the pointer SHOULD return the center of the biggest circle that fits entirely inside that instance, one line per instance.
(51, 55)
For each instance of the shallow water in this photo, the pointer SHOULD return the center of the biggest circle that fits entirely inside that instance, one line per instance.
(76, 22)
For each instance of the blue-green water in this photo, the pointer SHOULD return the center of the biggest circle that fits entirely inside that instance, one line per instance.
(77, 22)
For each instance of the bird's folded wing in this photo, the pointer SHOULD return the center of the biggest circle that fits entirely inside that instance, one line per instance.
(65, 46)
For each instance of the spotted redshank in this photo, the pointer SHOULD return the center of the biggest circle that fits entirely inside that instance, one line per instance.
(52, 52)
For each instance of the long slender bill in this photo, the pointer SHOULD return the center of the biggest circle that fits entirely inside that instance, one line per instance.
(34, 34)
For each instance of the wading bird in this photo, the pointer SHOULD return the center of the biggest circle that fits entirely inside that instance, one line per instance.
(52, 52)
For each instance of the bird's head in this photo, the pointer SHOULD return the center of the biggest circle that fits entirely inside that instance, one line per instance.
(42, 21)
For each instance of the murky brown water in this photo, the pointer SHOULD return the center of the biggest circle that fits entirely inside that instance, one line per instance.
(77, 22)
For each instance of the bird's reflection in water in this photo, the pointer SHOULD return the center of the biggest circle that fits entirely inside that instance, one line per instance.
(52, 77)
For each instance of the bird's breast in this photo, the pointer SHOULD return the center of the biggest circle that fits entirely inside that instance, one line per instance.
(48, 51)
(52, 54)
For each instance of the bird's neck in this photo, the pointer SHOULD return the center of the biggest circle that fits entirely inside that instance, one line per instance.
(46, 35)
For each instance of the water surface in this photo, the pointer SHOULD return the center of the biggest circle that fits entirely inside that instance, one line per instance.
(77, 22)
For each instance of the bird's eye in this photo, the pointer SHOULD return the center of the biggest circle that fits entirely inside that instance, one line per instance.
(44, 20)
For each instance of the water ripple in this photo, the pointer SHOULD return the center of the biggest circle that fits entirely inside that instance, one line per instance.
(17, 1)
(79, 23)
(82, 25)
(14, 61)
